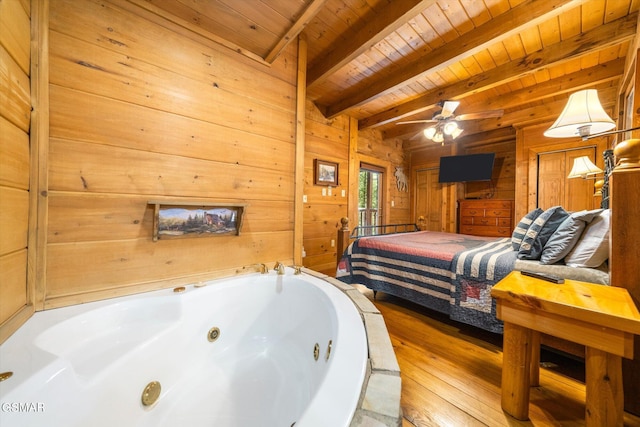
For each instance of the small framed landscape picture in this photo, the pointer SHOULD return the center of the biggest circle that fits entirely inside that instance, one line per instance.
(181, 221)
(325, 173)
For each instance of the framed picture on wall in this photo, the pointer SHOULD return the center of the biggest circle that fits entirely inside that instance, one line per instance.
(180, 220)
(325, 173)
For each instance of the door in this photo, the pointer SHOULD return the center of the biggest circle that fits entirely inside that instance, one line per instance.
(370, 204)
(554, 188)
(429, 197)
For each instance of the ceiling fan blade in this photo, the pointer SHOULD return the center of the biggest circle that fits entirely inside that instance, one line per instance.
(416, 121)
(481, 115)
(417, 136)
(448, 107)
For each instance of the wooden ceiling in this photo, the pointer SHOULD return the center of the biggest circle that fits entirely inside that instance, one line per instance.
(384, 61)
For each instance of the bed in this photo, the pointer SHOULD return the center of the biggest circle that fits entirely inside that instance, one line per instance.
(447, 272)
(621, 269)
(453, 273)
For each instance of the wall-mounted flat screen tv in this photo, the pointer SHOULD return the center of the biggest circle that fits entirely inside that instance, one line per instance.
(469, 167)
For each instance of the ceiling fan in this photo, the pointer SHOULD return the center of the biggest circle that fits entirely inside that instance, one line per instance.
(446, 124)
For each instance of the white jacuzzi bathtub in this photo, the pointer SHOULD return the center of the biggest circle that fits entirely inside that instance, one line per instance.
(90, 364)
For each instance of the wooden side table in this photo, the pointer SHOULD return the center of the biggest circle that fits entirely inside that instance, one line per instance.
(602, 318)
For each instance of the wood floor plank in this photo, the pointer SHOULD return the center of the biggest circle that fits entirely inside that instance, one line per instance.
(451, 374)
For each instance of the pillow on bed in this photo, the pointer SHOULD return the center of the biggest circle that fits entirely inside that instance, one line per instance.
(566, 236)
(522, 227)
(540, 231)
(593, 247)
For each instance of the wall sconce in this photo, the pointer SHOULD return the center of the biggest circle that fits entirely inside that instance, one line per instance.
(584, 168)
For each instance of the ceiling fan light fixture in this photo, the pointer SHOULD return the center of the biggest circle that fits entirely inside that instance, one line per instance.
(430, 132)
(456, 133)
(450, 127)
(439, 137)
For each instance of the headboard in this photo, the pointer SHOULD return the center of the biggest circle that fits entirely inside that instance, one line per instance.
(624, 252)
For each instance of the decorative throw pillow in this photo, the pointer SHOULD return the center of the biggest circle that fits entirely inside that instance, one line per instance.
(593, 247)
(522, 227)
(541, 229)
(566, 236)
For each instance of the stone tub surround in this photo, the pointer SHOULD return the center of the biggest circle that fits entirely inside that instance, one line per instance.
(379, 403)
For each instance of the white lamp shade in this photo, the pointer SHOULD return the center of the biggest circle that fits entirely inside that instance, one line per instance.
(583, 115)
(439, 137)
(456, 133)
(583, 167)
(430, 132)
(450, 127)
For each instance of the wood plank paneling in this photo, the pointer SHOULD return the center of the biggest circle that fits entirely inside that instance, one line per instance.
(122, 27)
(79, 217)
(530, 143)
(14, 30)
(82, 268)
(15, 99)
(131, 122)
(14, 156)
(329, 139)
(131, 80)
(78, 166)
(13, 283)
(14, 219)
(92, 118)
(325, 140)
(15, 115)
(504, 171)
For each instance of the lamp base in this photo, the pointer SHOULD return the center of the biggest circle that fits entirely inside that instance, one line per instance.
(628, 154)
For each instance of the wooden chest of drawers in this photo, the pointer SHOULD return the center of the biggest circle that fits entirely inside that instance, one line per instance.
(485, 217)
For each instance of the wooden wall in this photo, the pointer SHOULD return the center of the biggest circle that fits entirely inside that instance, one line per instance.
(338, 140)
(15, 120)
(140, 110)
(530, 142)
(501, 142)
(326, 139)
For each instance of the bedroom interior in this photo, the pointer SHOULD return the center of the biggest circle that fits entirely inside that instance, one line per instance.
(112, 107)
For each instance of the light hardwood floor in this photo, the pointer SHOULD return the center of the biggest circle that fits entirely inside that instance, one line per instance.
(451, 373)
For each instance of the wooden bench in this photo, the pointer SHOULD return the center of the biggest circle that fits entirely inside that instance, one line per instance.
(602, 318)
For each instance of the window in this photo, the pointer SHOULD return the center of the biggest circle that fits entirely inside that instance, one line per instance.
(370, 197)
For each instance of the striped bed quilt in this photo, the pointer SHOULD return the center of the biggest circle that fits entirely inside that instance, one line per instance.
(447, 272)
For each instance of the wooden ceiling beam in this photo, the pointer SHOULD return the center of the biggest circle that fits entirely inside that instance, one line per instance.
(583, 79)
(362, 37)
(525, 15)
(549, 111)
(295, 29)
(601, 37)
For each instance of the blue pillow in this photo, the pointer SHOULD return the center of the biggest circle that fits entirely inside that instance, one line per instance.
(522, 227)
(540, 231)
(566, 236)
